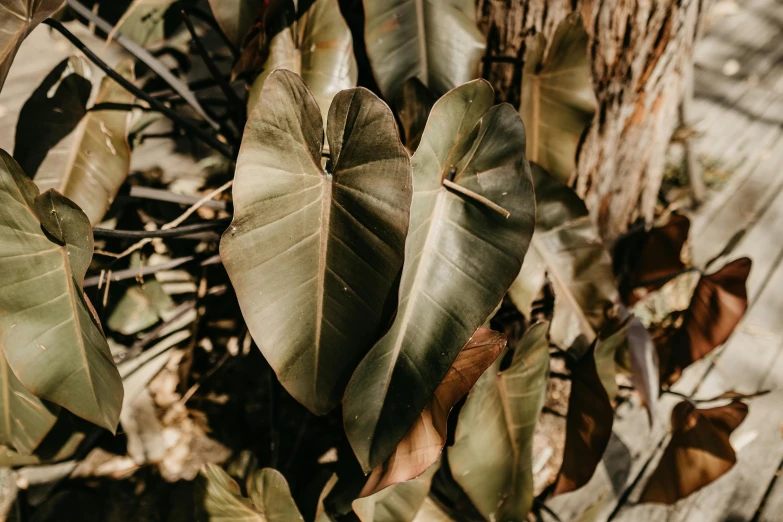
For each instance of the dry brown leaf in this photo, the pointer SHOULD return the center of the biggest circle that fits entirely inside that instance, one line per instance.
(718, 304)
(420, 448)
(698, 453)
(653, 258)
(588, 425)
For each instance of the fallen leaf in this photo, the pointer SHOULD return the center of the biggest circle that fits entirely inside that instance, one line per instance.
(699, 451)
(717, 305)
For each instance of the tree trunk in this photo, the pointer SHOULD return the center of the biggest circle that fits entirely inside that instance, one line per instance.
(641, 56)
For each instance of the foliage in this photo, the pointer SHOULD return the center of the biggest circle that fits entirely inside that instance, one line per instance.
(381, 282)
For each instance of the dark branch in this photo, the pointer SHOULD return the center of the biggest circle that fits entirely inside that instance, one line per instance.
(204, 136)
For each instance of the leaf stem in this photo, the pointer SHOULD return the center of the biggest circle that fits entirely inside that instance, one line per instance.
(132, 273)
(171, 232)
(173, 197)
(478, 198)
(206, 137)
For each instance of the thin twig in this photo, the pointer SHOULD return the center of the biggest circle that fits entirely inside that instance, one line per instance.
(168, 94)
(171, 224)
(177, 118)
(173, 197)
(170, 232)
(142, 54)
(193, 389)
(132, 273)
(721, 397)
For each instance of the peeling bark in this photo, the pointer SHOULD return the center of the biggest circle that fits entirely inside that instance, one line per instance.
(641, 55)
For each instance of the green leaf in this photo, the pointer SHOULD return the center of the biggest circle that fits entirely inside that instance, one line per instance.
(235, 17)
(270, 494)
(436, 41)
(492, 456)
(461, 255)
(18, 19)
(52, 112)
(315, 44)
(144, 22)
(90, 168)
(557, 100)
(24, 419)
(314, 254)
(60, 443)
(566, 247)
(397, 503)
(220, 500)
(51, 340)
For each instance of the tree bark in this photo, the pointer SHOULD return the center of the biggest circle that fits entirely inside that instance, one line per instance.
(641, 58)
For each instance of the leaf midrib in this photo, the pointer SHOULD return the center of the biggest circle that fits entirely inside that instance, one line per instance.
(325, 225)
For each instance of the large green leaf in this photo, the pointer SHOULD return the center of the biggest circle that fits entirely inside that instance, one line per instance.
(557, 97)
(91, 167)
(461, 255)
(314, 253)
(52, 112)
(219, 499)
(566, 246)
(492, 456)
(52, 342)
(315, 43)
(18, 19)
(235, 17)
(435, 40)
(24, 419)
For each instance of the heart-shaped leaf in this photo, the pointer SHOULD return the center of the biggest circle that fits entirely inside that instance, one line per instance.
(590, 411)
(718, 303)
(315, 43)
(51, 340)
(18, 19)
(235, 17)
(91, 167)
(698, 452)
(645, 261)
(220, 500)
(407, 38)
(52, 112)
(557, 100)
(24, 419)
(492, 456)
(566, 247)
(314, 254)
(422, 445)
(461, 255)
